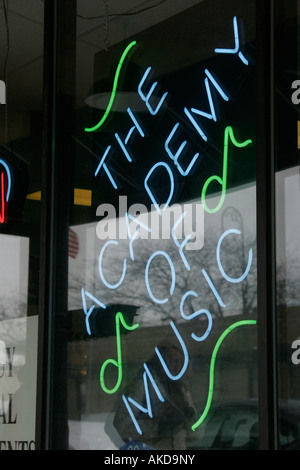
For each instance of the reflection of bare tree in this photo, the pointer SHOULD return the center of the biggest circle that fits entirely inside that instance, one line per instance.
(287, 280)
(237, 297)
(13, 305)
(240, 297)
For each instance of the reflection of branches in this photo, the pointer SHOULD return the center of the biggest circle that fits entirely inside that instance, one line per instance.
(13, 303)
(287, 280)
(238, 298)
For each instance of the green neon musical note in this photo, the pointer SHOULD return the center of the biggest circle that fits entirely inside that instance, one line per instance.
(228, 133)
(118, 319)
(212, 368)
(114, 89)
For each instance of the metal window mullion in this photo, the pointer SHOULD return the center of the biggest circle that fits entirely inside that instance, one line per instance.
(266, 282)
(47, 228)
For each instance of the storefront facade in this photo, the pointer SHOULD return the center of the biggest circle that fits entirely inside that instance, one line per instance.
(149, 225)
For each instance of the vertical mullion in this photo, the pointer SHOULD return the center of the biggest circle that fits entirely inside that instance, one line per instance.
(47, 227)
(266, 290)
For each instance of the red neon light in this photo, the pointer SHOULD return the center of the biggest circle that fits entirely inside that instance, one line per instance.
(2, 198)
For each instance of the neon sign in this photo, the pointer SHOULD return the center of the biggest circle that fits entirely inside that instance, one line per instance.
(235, 50)
(177, 160)
(118, 364)
(212, 368)
(179, 153)
(228, 134)
(114, 88)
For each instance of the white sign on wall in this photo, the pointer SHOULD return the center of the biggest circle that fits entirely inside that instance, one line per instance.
(18, 370)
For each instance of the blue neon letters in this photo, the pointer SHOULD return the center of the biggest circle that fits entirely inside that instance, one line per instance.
(105, 282)
(236, 48)
(184, 164)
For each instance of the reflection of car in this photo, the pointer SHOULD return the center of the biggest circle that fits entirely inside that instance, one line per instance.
(235, 426)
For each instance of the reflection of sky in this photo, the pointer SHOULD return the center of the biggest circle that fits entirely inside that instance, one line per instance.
(292, 212)
(238, 211)
(288, 253)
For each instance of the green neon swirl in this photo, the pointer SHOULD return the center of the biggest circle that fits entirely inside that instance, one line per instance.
(212, 367)
(222, 181)
(119, 319)
(114, 89)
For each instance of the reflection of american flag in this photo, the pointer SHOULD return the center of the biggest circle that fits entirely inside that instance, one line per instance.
(73, 244)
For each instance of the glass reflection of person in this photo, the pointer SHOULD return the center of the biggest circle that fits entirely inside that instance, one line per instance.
(171, 418)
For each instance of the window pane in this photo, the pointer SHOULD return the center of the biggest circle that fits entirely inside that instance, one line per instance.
(21, 92)
(287, 225)
(161, 320)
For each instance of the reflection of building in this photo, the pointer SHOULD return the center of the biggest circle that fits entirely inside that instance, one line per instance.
(209, 119)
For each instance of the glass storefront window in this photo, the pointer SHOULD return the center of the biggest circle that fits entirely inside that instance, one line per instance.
(155, 332)
(287, 226)
(21, 101)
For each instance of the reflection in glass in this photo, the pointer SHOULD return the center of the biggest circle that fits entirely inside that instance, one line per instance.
(155, 276)
(21, 65)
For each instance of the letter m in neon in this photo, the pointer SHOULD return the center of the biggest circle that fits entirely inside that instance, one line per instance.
(208, 81)
(147, 409)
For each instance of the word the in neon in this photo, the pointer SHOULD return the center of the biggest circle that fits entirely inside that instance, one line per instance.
(119, 319)
(114, 88)
(123, 145)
